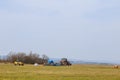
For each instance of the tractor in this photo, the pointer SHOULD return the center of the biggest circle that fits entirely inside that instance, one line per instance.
(65, 62)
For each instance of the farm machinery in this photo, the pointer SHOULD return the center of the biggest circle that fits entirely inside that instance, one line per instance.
(62, 62)
(18, 63)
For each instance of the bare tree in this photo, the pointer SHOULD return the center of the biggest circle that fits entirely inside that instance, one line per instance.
(21, 56)
(44, 58)
(11, 57)
(30, 58)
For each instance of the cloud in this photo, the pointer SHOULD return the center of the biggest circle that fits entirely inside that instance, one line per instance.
(68, 9)
(75, 12)
(81, 26)
(63, 7)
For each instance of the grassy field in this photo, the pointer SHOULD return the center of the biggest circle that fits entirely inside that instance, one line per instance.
(75, 72)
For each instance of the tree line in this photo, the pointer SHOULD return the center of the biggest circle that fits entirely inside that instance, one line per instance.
(30, 58)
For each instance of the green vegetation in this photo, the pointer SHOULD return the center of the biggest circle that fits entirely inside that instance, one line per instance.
(75, 72)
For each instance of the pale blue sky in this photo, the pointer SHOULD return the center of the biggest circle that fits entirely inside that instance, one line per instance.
(78, 29)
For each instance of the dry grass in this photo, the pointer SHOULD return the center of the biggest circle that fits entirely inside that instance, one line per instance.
(75, 72)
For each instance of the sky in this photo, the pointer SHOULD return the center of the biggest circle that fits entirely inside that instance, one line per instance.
(75, 29)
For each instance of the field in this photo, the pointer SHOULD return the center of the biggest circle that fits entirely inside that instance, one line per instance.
(74, 72)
